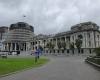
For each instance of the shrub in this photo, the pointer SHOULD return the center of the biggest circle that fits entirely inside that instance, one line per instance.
(97, 51)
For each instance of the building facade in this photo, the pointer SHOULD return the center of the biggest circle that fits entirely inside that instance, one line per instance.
(3, 33)
(19, 37)
(89, 32)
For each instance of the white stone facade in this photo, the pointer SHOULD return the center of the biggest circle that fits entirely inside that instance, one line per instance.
(89, 31)
(19, 37)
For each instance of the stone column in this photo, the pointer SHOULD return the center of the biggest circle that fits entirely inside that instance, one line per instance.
(65, 39)
(7, 47)
(24, 47)
(15, 46)
(11, 48)
(3, 46)
(66, 42)
(56, 43)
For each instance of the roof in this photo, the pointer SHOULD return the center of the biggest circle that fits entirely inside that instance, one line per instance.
(21, 25)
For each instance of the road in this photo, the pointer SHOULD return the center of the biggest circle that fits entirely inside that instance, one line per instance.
(59, 68)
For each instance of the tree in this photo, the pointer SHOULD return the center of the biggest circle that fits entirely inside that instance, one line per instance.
(40, 47)
(59, 45)
(63, 45)
(78, 44)
(50, 45)
(71, 45)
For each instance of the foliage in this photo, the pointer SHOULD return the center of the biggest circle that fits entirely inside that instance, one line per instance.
(59, 45)
(97, 51)
(40, 47)
(50, 45)
(63, 45)
(71, 45)
(94, 60)
(78, 43)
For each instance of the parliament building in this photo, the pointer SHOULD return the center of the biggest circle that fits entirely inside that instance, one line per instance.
(20, 36)
(89, 32)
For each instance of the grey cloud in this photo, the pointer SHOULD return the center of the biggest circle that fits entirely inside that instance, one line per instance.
(49, 16)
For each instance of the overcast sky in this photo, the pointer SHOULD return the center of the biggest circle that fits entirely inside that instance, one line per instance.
(49, 16)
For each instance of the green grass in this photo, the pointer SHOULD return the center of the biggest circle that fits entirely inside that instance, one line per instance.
(15, 64)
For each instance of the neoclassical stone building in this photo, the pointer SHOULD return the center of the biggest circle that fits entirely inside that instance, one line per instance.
(88, 30)
(19, 37)
(3, 33)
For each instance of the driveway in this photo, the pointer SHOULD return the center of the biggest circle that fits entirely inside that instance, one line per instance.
(59, 68)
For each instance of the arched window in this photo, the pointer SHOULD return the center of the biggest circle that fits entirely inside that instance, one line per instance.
(80, 36)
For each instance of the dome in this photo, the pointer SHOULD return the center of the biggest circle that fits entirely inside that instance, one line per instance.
(21, 25)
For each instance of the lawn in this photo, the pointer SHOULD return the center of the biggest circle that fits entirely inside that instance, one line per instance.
(15, 64)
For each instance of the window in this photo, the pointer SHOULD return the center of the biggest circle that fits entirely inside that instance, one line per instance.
(33, 43)
(82, 51)
(90, 51)
(89, 35)
(98, 37)
(80, 36)
(90, 43)
(21, 25)
(67, 51)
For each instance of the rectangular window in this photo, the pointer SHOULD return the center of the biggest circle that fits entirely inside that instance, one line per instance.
(89, 35)
(98, 37)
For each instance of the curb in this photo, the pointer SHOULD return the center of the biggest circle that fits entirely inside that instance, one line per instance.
(94, 64)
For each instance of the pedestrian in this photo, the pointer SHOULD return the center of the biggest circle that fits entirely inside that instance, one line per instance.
(36, 54)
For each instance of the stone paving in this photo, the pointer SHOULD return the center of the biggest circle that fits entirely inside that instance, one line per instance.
(59, 68)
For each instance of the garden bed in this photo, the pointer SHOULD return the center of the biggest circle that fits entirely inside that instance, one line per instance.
(94, 60)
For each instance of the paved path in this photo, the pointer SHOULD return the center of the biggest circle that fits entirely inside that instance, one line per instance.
(59, 68)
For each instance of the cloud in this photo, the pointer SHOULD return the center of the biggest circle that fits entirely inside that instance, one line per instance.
(49, 16)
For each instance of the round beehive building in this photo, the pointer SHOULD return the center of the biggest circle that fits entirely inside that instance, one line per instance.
(19, 37)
